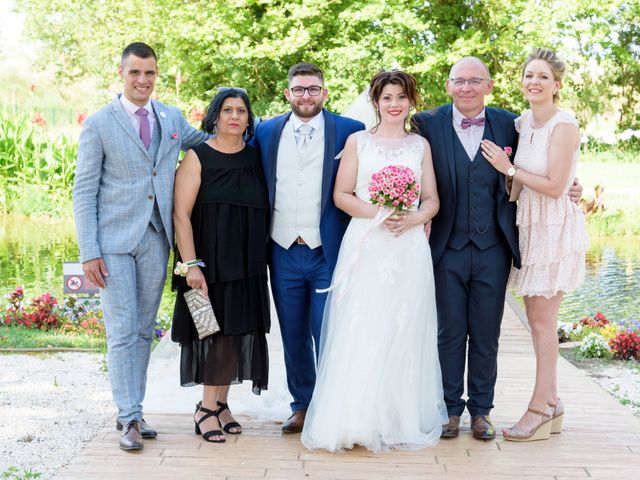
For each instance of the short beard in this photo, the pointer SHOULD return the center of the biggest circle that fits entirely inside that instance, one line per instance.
(316, 110)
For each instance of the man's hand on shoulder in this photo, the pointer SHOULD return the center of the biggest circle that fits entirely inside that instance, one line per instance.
(96, 271)
(575, 191)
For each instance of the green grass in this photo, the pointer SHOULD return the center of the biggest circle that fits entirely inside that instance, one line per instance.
(13, 473)
(21, 337)
(621, 182)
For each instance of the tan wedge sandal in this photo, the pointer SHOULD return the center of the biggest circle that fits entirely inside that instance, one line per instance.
(557, 417)
(541, 432)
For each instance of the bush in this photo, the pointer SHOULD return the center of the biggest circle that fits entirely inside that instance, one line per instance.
(626, 345)
(594, 346)
(36, 172)
(598, 321)
(75, 317)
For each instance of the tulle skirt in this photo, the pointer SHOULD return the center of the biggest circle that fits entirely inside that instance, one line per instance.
(379, 383)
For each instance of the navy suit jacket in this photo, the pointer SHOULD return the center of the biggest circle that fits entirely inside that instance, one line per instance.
(333, 222)
(435, 125)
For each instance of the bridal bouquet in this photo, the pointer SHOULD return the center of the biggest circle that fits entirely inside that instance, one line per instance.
(394, 186)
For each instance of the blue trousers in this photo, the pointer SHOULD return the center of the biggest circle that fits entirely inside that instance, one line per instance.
(296, 273)
(470, 291)
(130, 305)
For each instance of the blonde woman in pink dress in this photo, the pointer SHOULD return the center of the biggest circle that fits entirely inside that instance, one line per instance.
(553, 239)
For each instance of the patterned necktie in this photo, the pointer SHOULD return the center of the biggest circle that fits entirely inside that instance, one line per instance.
(145, 128)
(304, 136)
(467, 122)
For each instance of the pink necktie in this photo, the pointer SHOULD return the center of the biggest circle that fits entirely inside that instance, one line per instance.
(145, 129)
(467, 122)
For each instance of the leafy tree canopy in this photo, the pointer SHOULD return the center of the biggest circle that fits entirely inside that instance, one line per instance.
(251, 43)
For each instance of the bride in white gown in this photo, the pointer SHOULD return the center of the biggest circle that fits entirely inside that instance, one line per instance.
(379, 383)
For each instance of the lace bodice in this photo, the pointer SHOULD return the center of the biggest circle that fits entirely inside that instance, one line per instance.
(376, 153)
(533, 144)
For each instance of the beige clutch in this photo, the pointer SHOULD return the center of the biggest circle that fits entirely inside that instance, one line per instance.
(202, 312)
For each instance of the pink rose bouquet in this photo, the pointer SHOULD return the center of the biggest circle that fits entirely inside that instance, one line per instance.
(394, 186)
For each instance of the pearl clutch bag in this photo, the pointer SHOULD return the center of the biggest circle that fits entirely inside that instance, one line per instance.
(202, 313)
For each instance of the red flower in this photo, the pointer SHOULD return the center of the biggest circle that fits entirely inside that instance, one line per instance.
(601, 320)
(174, 135)
(196, 115)
(38, 119)
(626, 345)
(81, 117)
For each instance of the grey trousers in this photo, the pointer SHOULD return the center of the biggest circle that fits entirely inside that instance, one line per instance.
(130, 304)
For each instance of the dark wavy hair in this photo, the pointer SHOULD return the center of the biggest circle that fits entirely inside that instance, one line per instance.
(213, 110)
(396, 77)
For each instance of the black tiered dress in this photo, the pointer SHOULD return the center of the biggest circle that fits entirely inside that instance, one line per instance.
(230, 231)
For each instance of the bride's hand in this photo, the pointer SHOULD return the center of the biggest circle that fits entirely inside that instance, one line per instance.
(398, 223)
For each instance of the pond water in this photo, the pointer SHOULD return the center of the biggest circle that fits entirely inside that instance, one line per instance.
(612, 282)
(32, 253)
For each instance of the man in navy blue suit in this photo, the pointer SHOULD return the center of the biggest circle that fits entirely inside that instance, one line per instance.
(474, 241)
(299, 156)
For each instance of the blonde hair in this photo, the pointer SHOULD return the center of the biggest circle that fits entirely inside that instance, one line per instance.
(556, 65)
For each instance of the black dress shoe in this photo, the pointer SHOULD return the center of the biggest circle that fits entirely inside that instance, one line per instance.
(131, 438)
(146, 430)
(451, 429)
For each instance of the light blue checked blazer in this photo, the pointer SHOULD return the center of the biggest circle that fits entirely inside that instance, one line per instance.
(117, 181)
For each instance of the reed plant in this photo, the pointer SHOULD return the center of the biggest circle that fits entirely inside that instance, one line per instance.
(36, 171)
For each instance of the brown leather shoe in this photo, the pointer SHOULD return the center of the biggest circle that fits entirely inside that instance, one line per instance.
(131, 438)
(295, 422)
(451, 429)
(145, 429)
(482, 427)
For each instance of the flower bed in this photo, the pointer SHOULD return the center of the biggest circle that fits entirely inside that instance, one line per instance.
(601, 338)
(44, 315)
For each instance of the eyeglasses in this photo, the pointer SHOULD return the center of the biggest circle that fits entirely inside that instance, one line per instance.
(226, 89)
(473, 82)
(314, 91)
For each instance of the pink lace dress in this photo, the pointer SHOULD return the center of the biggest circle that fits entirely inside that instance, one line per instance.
(553, 237)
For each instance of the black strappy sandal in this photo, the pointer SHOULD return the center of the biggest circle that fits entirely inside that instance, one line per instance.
(228, 426)
(211, 433)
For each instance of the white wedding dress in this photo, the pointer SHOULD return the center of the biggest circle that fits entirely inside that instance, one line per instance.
(379, 383)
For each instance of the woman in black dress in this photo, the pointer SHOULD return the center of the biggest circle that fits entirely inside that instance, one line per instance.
(221, 217)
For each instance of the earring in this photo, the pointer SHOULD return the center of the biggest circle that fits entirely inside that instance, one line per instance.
(555, 92)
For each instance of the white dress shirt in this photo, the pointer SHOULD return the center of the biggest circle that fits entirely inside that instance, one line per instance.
(131, 109)
(469, 137)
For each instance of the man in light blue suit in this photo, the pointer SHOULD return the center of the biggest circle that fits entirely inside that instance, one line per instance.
(123, 200)
(299, 155)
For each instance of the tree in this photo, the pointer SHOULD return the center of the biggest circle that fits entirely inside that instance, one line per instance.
(251, 43)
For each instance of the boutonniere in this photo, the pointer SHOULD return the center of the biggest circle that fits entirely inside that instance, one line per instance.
(508, 151)
(174, 135)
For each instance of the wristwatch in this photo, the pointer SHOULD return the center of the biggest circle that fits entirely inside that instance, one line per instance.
(512, 171)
